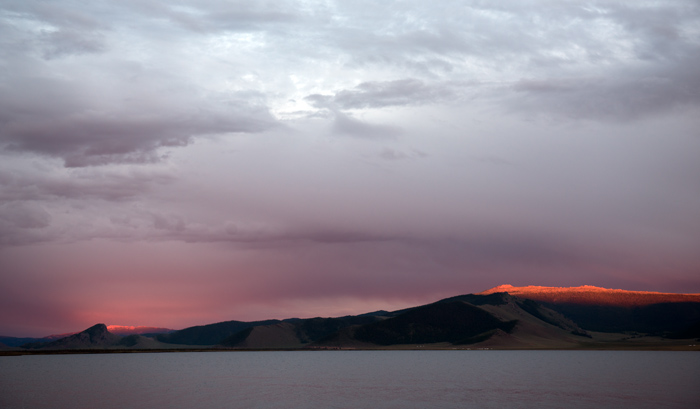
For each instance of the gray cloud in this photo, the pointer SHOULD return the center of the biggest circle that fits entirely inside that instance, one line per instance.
(345, 124)
(90, 185)
(122, 114)
(68, 120)
(28, 216)
(88, 138)
(67, 42)
(379, 94)
(23, 223)
(624, 96)
(645, 68)
(175, 227)
(394, 154)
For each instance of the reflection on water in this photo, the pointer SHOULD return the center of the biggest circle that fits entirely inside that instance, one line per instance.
(354, 379)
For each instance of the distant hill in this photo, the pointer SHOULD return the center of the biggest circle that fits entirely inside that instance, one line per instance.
(590, 295)
(456, 322)
(211, 334)
(31, 341)
(96, 336)
(121, 330)
(608, 310)
(17, 341)
(495, 320)
(296, 332)
(4, 346)
(502, 317)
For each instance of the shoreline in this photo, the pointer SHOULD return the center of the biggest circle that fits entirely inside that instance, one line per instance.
(586, 347)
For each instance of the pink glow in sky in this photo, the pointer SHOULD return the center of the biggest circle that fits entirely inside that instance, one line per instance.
(171, 165)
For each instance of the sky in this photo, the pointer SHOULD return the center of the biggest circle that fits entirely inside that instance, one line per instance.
(178, 163)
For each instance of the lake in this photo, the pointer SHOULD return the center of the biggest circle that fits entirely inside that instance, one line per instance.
(354, 379)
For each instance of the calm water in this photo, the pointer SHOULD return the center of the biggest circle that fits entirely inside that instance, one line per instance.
(354, 379)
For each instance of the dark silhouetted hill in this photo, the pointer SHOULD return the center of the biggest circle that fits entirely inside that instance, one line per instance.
(456, 322)
(17, 341)
(96, 336)
(495, 320)
(503, 317)
(295, 332)
(211, 334)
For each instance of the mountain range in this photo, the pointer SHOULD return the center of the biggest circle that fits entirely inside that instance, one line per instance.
(504, 317)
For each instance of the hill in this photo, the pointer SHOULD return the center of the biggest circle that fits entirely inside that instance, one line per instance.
(96, 336)
(210, 334)
(503, 317)
(496, 320)
(609, 310)
(296, 332)
(590, 295)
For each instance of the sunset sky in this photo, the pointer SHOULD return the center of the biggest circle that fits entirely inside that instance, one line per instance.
(176, 163)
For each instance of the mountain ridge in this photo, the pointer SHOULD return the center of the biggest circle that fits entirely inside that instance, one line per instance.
(588, 294)
(614, 310)
(501, 317)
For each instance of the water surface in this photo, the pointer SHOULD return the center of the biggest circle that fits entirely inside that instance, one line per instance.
(354, 379)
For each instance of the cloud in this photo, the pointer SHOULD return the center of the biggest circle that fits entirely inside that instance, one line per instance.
(38, 206)
(27, 216)
(212, 16)
(87, 135)
(112, 106)
(23, 223)
(608, 61)
(346, 124)
(394, 154)
(96, 139)
(177, 228)
(239, 156)
(21, 186)
(625, 96)
(402, 92)
(65, 42)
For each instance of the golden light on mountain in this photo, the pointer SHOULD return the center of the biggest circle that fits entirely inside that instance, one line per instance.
(588, 294)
